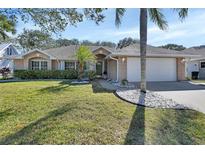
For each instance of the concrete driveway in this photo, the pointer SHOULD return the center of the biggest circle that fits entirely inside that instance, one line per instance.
(183, 92)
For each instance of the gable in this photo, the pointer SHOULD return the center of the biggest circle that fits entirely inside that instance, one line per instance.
(8, 50)
(36, 54)
(101, 51)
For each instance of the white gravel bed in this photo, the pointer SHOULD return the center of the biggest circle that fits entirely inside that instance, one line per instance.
(148, 99)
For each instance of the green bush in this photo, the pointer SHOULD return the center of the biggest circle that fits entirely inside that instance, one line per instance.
(124, 82)
(46, 74)
(91, 75)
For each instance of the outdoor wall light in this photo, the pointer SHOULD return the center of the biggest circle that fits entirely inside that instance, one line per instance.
(123, 59)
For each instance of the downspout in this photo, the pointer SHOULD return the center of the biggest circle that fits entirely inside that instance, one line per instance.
(117, 66)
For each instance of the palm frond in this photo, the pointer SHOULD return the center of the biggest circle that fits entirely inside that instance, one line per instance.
(119, 13)
(158, 18)
(182, 13)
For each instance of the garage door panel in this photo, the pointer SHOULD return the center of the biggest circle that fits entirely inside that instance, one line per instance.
(158, 69)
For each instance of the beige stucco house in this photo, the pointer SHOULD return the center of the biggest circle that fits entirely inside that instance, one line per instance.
(118, 64)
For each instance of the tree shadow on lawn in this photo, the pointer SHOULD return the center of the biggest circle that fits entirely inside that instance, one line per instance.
(60, 87)
(32, 132)
(173, 126)
(97, 88)
(136, 131)
(55, 89)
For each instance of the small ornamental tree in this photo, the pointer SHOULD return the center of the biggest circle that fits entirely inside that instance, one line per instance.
(84, 55)
(5, 72)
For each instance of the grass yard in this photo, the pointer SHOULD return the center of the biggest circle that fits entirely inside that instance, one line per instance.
(55, 112)
(198, 81)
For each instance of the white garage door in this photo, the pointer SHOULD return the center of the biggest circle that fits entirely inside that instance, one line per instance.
(158, 69)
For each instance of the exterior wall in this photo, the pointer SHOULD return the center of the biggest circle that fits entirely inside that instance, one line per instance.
(180, 69)
(18, 64)
(54, 65)
(112, 69)
(122, 68)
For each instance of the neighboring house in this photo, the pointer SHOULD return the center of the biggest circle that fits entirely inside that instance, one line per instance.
(6, 51)
(118, 64)
(196, 63)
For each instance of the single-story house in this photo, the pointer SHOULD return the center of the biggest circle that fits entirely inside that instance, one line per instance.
(7, 49)
(195, 63)
(118, 64)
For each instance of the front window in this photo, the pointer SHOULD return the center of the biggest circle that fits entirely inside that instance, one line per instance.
(35, 65)
(39, 65)
(202, 64)
(69, 65)
(9, 51)
(44, 65)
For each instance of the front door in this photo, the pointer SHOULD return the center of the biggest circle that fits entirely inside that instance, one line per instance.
(99, 68)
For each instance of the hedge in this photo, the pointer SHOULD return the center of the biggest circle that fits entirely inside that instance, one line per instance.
(46, 74)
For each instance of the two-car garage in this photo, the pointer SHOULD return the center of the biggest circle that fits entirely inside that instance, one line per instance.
(157, 69)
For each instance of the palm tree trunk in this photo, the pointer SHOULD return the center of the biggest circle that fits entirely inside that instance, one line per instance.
(143, 46)
(81, 71)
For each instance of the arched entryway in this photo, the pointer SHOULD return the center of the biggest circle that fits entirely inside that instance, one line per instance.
(101, 62)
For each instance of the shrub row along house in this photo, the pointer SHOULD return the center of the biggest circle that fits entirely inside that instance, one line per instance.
(116, 64)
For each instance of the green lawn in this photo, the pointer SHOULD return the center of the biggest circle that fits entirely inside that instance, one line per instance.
(198, 81)
(54, 112)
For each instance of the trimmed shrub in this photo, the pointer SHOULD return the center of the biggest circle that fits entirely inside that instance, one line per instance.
(91, 75)
(46, 74)
(124, 82)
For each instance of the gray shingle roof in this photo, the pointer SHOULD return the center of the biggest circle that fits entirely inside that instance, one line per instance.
(194, 51)
(68, 52)
(134, 50)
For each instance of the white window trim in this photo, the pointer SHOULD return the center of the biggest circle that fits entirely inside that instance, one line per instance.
(200, 64)
(39, 60)
(70, 62)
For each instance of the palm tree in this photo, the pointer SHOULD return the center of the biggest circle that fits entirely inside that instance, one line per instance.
(6, 26)
(84, 55)
(158, 18)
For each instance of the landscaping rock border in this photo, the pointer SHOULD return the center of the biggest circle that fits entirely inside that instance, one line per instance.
(148, 99)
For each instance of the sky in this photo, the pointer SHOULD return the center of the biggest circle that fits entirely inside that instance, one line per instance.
(190, 32)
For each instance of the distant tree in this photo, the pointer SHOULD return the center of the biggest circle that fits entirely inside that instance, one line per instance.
(31, 39)
(6, 26)
(126, 42)
(173, 47)
(199, 47)
(86, 42)
(84, 55)
(66, 42)
(98, 43)
(107, 43)
(75, 41)
(63, 42)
